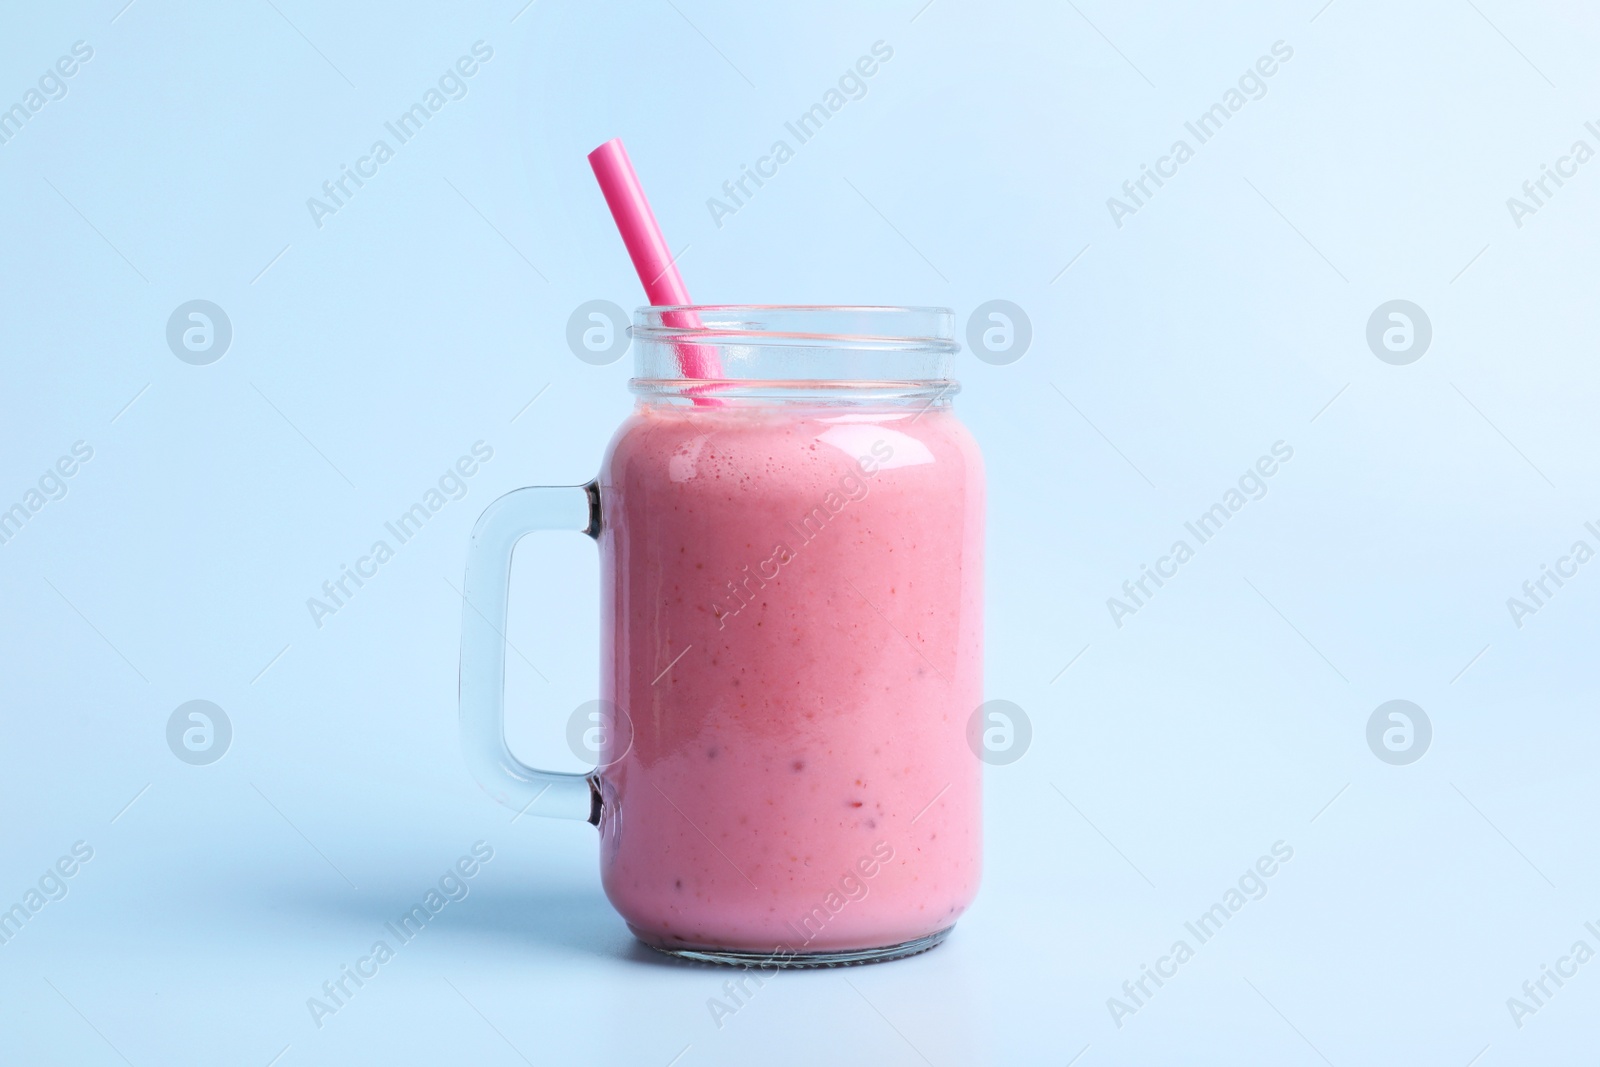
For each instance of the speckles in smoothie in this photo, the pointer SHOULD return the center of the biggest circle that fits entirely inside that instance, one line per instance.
(808, 684)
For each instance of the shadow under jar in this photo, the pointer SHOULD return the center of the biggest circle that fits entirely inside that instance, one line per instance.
(791, 571)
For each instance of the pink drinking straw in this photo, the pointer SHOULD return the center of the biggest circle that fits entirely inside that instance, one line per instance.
(652, 259)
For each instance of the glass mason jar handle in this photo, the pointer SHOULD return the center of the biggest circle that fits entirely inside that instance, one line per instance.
(557, 794)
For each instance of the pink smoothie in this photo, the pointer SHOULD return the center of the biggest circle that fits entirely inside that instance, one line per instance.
(793, 626)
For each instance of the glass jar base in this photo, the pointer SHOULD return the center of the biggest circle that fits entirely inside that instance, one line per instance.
(845, 958)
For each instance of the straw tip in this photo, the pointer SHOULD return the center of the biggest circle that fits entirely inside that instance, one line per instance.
(609, 148)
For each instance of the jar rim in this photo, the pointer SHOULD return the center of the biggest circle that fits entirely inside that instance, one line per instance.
(931, 308)
(937, 391)
(854, 327)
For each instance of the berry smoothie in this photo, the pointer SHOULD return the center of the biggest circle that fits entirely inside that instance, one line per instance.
(793, 631)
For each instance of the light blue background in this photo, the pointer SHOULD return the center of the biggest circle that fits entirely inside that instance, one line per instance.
(1228, 314)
